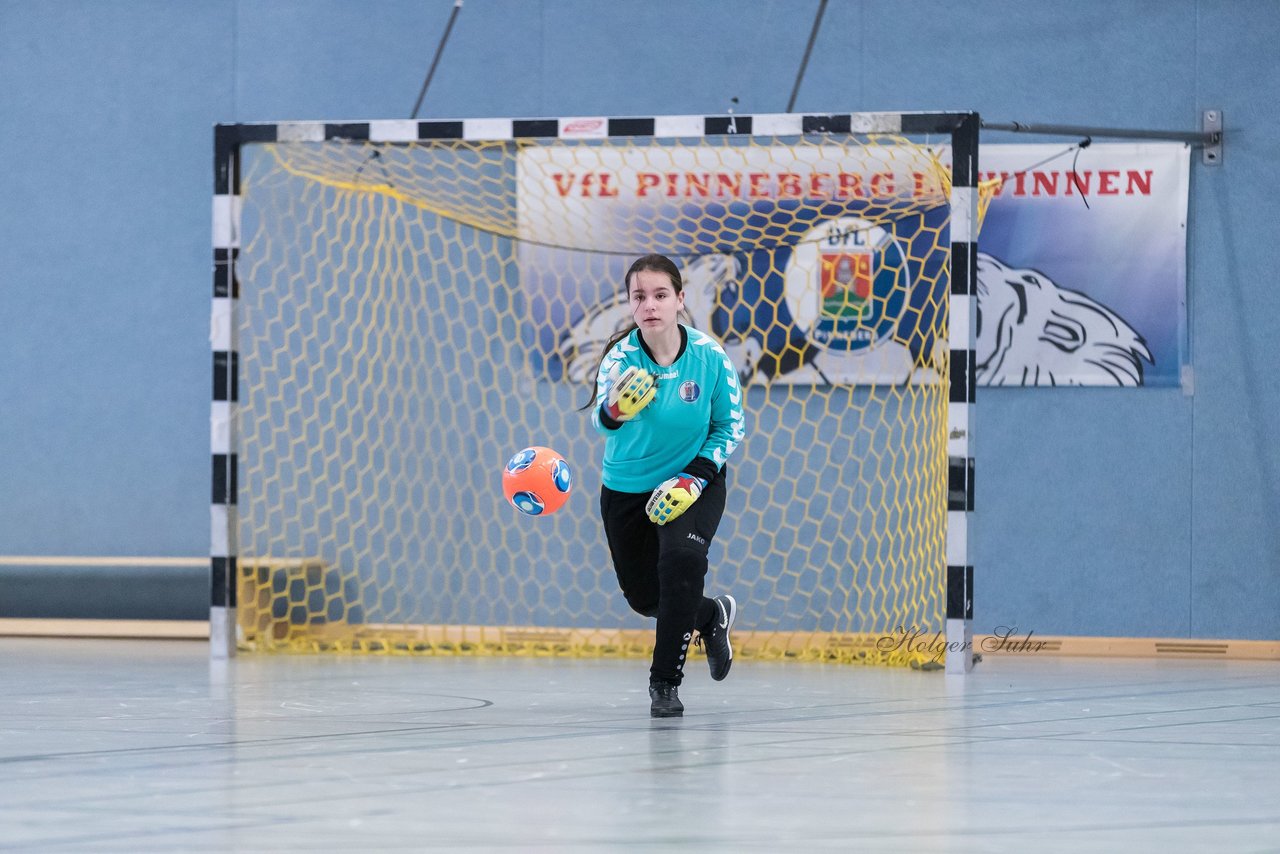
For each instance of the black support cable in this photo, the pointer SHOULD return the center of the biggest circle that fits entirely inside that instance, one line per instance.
(804, 63)
(453, 16)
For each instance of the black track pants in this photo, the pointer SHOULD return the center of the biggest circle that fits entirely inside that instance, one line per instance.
(661, 568)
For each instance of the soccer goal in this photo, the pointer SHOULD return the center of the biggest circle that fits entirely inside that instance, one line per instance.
(399, 306)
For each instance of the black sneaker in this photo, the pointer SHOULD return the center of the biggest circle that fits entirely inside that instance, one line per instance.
(666, 701)
(716, 638)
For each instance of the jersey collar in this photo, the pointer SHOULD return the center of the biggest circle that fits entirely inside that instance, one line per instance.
(684, 342)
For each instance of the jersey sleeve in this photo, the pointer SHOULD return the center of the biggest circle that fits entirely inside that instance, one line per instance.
(728, 426)
(609, 366)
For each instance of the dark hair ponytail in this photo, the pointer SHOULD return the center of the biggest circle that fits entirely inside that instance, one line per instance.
(650, 263)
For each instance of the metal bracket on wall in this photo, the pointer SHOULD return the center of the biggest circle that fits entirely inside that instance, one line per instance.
(1209, 137)
(1211, 122)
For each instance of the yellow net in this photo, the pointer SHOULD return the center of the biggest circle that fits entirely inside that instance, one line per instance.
(413, 314)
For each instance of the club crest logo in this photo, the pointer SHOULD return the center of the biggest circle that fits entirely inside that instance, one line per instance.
(846, 284)
(689, 391)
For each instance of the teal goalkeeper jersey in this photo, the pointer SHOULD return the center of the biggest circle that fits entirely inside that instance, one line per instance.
(697, 412)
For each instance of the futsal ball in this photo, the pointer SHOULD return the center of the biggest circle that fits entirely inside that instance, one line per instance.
(537, 481)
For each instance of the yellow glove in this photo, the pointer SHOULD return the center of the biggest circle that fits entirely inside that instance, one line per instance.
(672, 497)
(628, 394)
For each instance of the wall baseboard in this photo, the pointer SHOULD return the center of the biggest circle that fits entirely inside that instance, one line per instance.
(1092, 647)
(144, 589)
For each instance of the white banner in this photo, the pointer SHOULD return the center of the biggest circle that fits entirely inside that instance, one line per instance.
(816, 264)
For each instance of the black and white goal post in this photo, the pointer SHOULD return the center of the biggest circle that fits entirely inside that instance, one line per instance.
(223, 519)
(222, 420)
(961, 329)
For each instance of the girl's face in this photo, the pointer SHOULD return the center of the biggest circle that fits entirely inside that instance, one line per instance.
(654, 302)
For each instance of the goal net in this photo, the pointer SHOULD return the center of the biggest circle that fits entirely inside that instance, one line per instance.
(413, 312)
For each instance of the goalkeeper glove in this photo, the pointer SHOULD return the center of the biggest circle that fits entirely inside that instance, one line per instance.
(628, 394)
(672, 497)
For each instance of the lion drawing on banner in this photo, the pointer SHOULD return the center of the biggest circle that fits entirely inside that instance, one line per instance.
(706, 279)
(1033, 332)
(1030, 331)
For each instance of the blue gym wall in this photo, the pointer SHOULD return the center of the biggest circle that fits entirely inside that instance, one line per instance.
(1144, 512)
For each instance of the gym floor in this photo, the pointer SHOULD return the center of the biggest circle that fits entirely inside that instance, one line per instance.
(120, 745)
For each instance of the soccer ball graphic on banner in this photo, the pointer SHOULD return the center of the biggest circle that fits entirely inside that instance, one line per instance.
(537, 481)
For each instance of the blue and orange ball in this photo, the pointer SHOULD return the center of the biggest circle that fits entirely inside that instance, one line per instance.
(537, 481)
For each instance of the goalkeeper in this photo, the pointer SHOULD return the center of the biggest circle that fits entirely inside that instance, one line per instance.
(668, 402)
